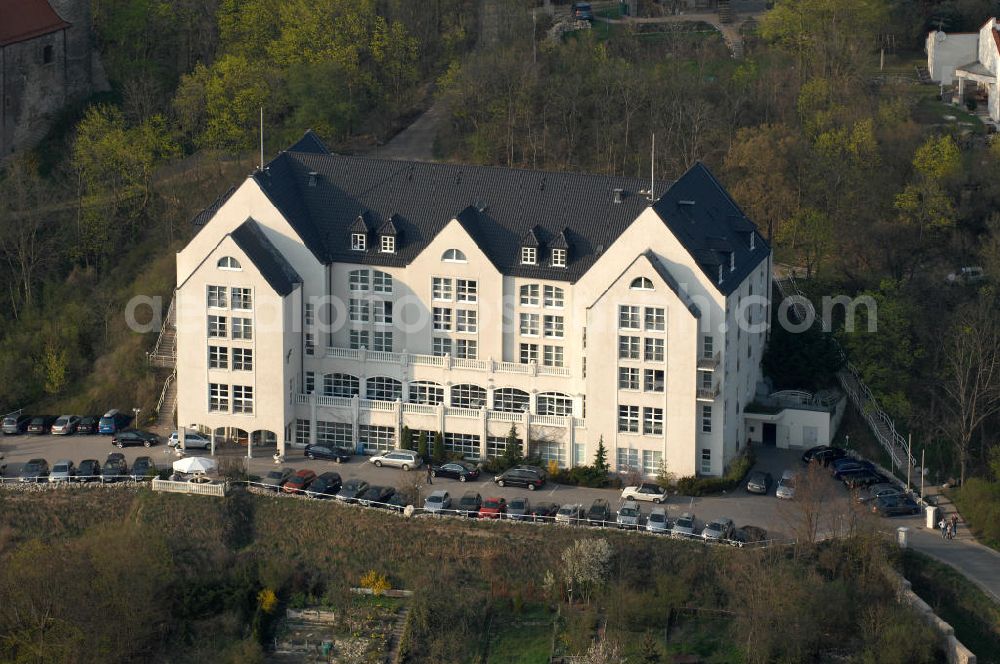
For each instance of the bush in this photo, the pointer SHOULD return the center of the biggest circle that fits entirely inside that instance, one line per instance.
(587, 476)
(979, 502)
(701, 486)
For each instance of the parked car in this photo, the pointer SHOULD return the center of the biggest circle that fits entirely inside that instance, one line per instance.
(849, 465)
(846, 470)
(143, 468)
(469, 504)
(41, 424)
(330, 452)
(823, 453)
(397, 502)
(863, 478)
(581, 11)
(325, 486)
(87, 425)
(519, 509)
(683, 526)
(62, 471)
(438, 501)
(88, 470)
(376, 496)
(351, 489)
(298, 482)
(113, 421)
(275, 479)
(629, 515)
(645, 491)
(573, 513)
(747, 535)
(404, 459)
(544, 511)
(532, 478)
(600, 513)
(134, 437)
(895, 506)
(759, 482)
(15, 424)
(657, 522)
(36, 470)
(192, 441)
(718, 529)
(115, 468)
(786, 486)
(456, 470)
(877, 491)
(493, 508)
(65, 425)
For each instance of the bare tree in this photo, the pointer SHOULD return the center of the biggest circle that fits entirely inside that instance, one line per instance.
(22, 240)
(811, 506)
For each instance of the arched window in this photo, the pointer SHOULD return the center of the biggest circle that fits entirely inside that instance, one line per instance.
(554, 403)
(453, 256)
(340, 385)
(228, 263)
(468, 396)
(426, 392)
(383, 388)
(641, 283)
(510, 399)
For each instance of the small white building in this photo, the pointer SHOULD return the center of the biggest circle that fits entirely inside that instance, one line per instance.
(338, 299)
(968, 59)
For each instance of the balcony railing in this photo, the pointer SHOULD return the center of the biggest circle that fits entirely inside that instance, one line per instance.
(707, 393)
(710, 363)
(445, 362)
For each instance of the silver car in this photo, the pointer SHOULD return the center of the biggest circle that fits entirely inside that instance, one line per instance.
(657, 522)
(718, 529)
(438, 501)
(570, 514)
(192, 441)
(404, 459)
(62, 471)
(628, 515)
(878, 491)
(65, 425)
(684, 526)
(786, 485)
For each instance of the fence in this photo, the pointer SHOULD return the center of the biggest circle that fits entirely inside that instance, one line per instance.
(195, 488)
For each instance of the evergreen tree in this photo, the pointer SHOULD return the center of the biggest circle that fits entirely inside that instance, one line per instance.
(405, 439)
(438, 447)
(601, 464)
(422, 445)
(650, 651)
(512, 450)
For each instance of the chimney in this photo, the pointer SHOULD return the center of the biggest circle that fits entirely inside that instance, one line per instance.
(312, 178)
(618, 195)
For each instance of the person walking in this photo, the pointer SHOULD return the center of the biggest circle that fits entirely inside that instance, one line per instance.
(941, 525)
(947, 527)
(430, 475)
(954, 525)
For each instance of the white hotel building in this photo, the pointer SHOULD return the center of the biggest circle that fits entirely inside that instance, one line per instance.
(334, 298)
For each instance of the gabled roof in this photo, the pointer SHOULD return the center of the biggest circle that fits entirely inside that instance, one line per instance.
(560, 241)
(712, 227)
(21, 20)
(205, 215)
(273, 266)
(668, 278)
(360, 224)
(309, 142)
(530, 238)
(388, 228)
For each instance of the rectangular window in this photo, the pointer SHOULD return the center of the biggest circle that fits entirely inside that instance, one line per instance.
(382, 341)
(529, 255)
(441, 288)
(310, 314)
(310, 385)
(553, 356)
(653, 380)
(466, 444)
(382, 282)
(335, 434)
(652, 421)
(706, 419)
(388, 244)
(359, 339)
(651, 461)
(218, 398)
(628, 317)
(383, 312)
(242, 299)
(218, 357)
(467, 290)
(530, 295)
(628, 378)
(302, 431)
(656, 319)
(558, 258)
(466, 321)
(705, 380)
(628, 419)
(552, 296)
(529, 353)
(579, 454)
(242, 399)
(628, 459)
(359, 310)
(466, 349)
(242, 359)
(217, 327)
(357, 280)
(706, 461)
(653, 350)
(359, 241)
(441, 346)
(707, 347)
(442, 319)
(377, 439)
(310, 343)
(529, 325)
(628, 348)
(217, 296)
(243, 328)
(554, 327)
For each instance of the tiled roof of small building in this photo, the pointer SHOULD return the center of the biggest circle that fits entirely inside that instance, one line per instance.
(21, 20)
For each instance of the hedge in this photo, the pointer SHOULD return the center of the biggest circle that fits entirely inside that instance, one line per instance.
(701, 486)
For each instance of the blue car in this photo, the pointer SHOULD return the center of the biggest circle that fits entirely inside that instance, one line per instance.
(112, 422)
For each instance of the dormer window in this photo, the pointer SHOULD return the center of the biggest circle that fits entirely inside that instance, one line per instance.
(558, 258)
(359, 242)
(529, 255)
(732, 261)
(388, 245)
(753, 238)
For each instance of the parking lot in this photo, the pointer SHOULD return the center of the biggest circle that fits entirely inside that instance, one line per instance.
(776, 516)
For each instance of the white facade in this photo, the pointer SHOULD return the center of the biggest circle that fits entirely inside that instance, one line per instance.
(642, 350)
(970, 59)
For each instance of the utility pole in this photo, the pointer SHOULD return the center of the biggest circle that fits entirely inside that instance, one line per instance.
(923, 473)
(262, 138)
(909, 458)
(534, 23)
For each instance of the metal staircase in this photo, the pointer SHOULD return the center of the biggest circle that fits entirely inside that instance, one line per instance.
(166, 408)
(164, 353)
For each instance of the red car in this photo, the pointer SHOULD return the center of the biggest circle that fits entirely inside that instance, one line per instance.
(493, 508)
(299, 481)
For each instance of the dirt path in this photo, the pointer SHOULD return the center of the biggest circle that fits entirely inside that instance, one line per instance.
(416, 142)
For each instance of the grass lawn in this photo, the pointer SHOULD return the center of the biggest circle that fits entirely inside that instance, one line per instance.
(526, 637)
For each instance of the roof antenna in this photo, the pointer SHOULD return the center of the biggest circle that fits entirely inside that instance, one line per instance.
(652, 166)
(261, 138)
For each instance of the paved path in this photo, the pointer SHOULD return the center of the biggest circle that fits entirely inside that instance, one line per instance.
(416, 142)
(979, 564)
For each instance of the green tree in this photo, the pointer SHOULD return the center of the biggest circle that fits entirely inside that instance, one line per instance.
(601, 464)
(422, 445)
(512, 449)
(405, 439)
(439, 452)
(650, 652)
(54, 366)
(236, 89)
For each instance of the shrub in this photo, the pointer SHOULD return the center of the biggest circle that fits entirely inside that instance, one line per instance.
(700, 486)
(405, 439)
(979, 502)
(422, 445)
(587, 476)
(439, 451)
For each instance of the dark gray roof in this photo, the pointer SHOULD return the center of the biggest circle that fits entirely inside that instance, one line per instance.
(273, 266)
(672, 282)
(203, 217)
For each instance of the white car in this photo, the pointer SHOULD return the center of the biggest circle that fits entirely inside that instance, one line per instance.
(570, 514)
(657, 522)
(438, 501)
(192, 441)
(404, 459)
(645, 491)
(718, 529)
(629, 515)
(684, 526)
(786, 485)
(65, 425)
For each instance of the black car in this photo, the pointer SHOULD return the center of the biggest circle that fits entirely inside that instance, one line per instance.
(36, 470)
(114, 468)
(351, 490)
(143, 468)
(15, 424)
(823, 453)
(134, 437)
(456, 470)
(396, 503)
(526, 476)
(376, 496)
(862, 478)
(545, 511)
(88, 470)
(747, 535)
(599, 513)
(581, 11)
(469, 504)
(325, 486)
(276, 479)
(759, 482)
(41, 424)
(338, 454)
(895, 506)
(88, 425)
(851, 467)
